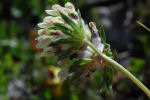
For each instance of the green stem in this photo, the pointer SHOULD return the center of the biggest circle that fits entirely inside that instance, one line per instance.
(117, 65)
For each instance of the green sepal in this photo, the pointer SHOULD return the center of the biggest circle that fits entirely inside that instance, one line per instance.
(69, 21)
(80, 19)
(63, 41)
(66, 30)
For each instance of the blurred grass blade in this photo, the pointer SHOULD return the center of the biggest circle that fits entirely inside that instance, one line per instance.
(148, 29)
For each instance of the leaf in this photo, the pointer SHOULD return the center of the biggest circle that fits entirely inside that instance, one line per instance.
(107, 77)
(74, 96)
(107, 50)
(102, 34)
(79, 63)
(84, 61)
(115, 56)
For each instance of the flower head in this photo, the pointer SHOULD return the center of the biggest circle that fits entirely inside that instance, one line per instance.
(63, 32)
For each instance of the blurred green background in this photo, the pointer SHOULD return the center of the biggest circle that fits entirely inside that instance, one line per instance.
(26, 76)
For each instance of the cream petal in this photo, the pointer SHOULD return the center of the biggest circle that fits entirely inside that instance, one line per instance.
(44, 31)
(89, 49)
(49, 19)
(43, 38)
(96, 41)
(84, 54)
(45, 25)
(87, 54)
(53, 20)
(68, 11)
(100, 47)
(52, 12)
(59, 8)
(56, 6)
(69, 6)
(41, 45)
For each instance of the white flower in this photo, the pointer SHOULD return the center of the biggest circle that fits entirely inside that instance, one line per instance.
(48, 33)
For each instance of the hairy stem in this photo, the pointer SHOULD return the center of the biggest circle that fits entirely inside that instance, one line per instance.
(117, 65)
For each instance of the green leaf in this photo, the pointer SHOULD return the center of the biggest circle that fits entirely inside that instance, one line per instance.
(107, 77)
(3, 29)
(102, 34)
(84, 61)
(79, 63)
(115, 56)
(74, 96)
(107, 50)
(136, 65)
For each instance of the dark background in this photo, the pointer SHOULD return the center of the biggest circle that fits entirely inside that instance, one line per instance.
(24, 75)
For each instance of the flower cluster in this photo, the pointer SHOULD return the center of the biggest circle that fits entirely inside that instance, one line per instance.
(55, 41)
(63, 32)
